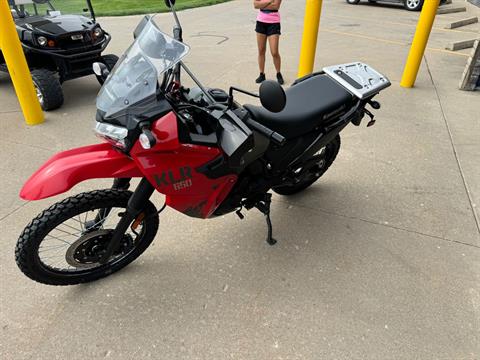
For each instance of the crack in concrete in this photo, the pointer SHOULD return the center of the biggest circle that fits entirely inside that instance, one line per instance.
(454, 149)
(379, 223)
(10, 112)
(13, 211)
(26, 144)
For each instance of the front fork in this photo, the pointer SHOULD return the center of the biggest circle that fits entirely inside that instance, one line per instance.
(135, 205)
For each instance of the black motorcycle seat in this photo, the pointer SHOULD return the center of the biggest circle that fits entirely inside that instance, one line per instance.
(309, 103)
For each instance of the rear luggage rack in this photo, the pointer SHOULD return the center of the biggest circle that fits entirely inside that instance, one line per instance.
(358, 78)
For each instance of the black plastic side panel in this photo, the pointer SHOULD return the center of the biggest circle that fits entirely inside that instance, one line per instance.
(216, 168)
(234, 137)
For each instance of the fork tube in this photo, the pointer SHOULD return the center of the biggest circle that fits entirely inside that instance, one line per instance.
(136, 204)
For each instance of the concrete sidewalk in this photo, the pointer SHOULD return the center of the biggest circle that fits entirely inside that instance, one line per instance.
(379, 260)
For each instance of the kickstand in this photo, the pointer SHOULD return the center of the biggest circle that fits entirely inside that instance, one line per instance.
(264, 207)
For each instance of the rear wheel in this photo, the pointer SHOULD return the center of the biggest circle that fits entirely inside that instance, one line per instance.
(64, 244)
(413, 5)
(313, 169)
(109, 60)
(353, 2)
(48, 89)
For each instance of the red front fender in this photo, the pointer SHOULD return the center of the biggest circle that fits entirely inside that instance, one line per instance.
(66, 169)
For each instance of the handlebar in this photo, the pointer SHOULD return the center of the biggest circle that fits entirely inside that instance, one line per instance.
(269, 133)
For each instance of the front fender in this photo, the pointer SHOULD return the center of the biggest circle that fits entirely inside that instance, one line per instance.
(66, 169)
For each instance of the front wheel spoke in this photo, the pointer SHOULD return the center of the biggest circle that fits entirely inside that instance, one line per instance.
(50, 248)
(70, 226)
(79, 220)
(66, 232)
(67, 236)
(86, 219)
(100, 222)
(58, 239)
(54, 265)
(52, 257)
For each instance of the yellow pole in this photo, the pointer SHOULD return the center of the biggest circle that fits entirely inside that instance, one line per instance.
(17, 67)
(424, 26)
(313, 10)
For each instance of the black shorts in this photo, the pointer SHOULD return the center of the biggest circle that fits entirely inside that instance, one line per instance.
(268, 29)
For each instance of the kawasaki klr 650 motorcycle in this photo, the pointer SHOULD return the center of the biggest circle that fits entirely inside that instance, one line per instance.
(207, 153)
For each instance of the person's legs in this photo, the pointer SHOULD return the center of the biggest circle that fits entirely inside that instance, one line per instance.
(262, 48)
(273, 41)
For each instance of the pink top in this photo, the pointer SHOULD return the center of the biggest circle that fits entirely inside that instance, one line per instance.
(269, 18)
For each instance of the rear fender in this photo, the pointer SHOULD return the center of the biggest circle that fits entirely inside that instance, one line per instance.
(66, 169)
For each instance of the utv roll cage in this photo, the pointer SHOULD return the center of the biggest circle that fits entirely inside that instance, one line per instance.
(18, 7)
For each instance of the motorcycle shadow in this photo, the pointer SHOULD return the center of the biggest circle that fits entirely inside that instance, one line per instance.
(225, 252)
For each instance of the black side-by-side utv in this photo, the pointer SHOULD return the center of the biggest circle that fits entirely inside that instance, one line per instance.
(58, 46)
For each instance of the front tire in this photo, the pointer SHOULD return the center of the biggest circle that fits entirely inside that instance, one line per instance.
(309, 175)
(48, 89)
(353, 2)
(110, 61)
(64, 234)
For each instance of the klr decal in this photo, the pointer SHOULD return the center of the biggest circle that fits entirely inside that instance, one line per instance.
(180, 178)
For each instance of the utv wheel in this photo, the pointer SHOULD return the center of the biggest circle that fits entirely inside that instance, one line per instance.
(313, 169)
(109, 60)
(353, 2)
(48, 89)
(64, 244)
(413, 5)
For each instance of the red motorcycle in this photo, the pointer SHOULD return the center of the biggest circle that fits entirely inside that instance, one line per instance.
(208, 154)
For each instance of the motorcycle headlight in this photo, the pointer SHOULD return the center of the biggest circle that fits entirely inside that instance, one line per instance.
(115, 135)
(97, 33)
(42, 41)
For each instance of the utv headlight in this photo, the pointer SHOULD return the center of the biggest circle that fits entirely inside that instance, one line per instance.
(42, 41)
(97, 33)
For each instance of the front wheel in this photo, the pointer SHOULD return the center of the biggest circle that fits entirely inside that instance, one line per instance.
(353, 2)
(312, 169)
(64, 244)
(48, 89)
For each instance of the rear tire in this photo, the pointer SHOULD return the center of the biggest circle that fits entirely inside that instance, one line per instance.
(353, 2)
(109, 60)
(413, 5)
(328, 157)
(32, 262)
(48, 88)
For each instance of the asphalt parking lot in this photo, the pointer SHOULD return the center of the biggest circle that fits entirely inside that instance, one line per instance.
(379, 260)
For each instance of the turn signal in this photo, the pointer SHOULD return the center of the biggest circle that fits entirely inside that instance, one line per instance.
(147, 140)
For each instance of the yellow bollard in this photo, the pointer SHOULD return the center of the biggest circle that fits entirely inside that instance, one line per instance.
(424, 26)
(17, 67)
(313, 10)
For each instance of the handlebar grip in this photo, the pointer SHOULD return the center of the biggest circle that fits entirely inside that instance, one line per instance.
(272, 135)
(280, 139)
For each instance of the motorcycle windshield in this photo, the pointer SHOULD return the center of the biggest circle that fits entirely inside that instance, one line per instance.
(135, 77)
